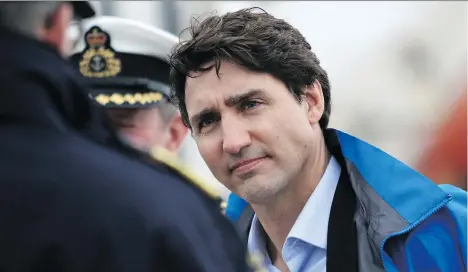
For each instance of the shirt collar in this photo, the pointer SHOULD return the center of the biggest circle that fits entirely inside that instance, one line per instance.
(311, 225)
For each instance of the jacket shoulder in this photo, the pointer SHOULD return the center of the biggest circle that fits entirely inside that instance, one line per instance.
(439, 242)
(458, 204)
(179, 169)
(457, 208)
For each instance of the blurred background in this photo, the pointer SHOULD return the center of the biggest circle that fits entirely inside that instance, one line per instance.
(398, 71)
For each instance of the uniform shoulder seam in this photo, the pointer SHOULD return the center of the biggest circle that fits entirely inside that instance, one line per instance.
(175, 164)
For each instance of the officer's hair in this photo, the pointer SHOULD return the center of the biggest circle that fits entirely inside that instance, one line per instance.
(255, 40)
(26, 17)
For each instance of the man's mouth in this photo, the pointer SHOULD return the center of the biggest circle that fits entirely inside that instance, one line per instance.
(246, 165)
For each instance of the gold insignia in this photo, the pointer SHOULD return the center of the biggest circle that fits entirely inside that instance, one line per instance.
(99, 60)
(119, 99)
(223, 206)
(171, 160)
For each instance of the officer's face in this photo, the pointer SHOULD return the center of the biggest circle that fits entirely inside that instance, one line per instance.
(145, 128)
(253, 134)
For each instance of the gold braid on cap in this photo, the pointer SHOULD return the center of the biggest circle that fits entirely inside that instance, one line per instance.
(119, 99)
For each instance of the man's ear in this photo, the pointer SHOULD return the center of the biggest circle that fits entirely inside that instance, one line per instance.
(314, 102)
(177, 133)
(54, 31)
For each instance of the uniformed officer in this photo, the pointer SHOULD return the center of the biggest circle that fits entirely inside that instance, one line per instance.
(125, 63)
(126, 67)
(69, 202)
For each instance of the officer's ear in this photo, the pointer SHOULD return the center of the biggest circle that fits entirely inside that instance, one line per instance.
(54, 29)
(177, 133)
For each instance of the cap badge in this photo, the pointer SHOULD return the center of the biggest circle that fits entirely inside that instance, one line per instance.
(99, 58)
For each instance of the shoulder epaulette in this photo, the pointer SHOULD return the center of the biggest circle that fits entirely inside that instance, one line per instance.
(174, 163)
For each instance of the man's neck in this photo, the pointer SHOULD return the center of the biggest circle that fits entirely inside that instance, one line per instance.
(279, 215)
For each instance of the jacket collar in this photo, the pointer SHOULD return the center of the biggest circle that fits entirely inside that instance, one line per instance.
(391, 179)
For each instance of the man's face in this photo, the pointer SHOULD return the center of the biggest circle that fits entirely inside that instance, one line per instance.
(145, 128)
(251, 131)
(142, 127)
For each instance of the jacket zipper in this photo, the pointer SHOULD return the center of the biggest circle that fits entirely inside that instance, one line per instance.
(412, 226)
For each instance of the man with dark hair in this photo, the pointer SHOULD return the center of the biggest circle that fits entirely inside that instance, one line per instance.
(307, 197)
(69, 202)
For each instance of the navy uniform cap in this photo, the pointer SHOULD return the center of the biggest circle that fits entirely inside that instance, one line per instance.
(125, 62)
(83, 9)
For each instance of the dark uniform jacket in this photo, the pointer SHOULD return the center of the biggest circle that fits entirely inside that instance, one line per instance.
(70, 203)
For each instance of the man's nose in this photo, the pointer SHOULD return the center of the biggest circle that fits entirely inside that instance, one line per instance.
(235, 136)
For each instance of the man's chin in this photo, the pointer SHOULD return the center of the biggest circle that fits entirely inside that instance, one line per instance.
(258, 190)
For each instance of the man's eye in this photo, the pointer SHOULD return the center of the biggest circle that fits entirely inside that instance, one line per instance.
(250, 104)
(205, 122)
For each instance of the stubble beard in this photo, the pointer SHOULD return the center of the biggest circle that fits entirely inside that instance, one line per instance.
(261, 189)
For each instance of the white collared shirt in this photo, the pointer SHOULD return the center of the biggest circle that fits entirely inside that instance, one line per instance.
(306, 244)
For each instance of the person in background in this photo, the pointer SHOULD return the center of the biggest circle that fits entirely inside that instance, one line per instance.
(126, 69)
(125, 64)
(69, 199)
(128, 75)
(306, 196)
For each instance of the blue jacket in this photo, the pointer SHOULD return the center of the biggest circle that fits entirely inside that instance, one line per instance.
(408, 223)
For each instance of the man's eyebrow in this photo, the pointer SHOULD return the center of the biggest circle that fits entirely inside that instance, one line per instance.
(197, 117)
(230, 101)
(235, 99)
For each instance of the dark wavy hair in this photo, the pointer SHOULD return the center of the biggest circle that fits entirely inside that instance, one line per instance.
(256, 40)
